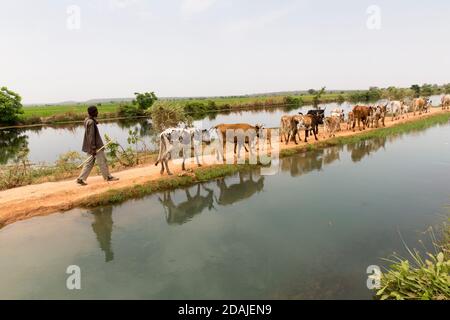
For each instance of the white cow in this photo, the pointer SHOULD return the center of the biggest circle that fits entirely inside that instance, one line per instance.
(398, 109)
(338, 113)
(445, 101)
(184, 138)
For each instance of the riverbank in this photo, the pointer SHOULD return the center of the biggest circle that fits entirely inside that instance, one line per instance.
(419, 276)
(40, 199)
(196, 107)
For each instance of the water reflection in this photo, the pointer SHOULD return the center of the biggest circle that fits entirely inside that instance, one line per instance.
(182, 205)
(364, 148)
(46, 143)
(186, 210)
(11, 143)
(245, 188)
(303, 163)
(102, 227)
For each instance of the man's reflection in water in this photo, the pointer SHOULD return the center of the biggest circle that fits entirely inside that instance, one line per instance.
(102, 227)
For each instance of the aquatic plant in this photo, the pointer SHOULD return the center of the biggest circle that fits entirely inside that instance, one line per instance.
(419, 277)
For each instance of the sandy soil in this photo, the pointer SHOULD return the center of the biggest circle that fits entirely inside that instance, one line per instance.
(41, 199)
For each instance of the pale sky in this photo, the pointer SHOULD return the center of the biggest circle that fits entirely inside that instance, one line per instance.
(218, 47)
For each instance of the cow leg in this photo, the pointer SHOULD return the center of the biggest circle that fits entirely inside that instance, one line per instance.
(306, 135)
(289, 136)
(166, 161)
(184, 159)
(239, 146)
(162, 167)
(197, 157)
(315, 135)
(250, 148)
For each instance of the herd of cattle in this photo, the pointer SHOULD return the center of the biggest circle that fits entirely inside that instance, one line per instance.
(187, 138)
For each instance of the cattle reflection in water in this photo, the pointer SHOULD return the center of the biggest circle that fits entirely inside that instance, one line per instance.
(222, 194)
(186, 210)
(310, 161)
(246, 188)
(364, 148)
(315, 160)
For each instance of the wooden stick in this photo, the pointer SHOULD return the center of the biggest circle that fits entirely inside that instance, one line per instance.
(91, 156)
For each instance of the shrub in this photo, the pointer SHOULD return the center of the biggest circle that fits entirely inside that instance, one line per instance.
(421, 278)
(167, 114)
(10, 106)
(68, 161)
(17, 174)
(128, 111)
(293, 100)
(145, 100)
(428, 279)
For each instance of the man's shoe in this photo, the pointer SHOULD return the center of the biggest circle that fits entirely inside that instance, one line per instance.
(111, 178)
(81, 182)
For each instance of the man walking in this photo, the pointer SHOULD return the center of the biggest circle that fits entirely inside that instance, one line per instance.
(91, 143)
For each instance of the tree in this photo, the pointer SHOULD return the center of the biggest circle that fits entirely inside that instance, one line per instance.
(373, 94)
(416, 89)
(394, 93)
(311, 91)
(10, 106)
(447, 88)
(144, 100)
(316, 98)
(168, 114)
(427, 90)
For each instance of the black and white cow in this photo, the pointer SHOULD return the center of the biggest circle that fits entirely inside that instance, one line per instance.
(174, 139)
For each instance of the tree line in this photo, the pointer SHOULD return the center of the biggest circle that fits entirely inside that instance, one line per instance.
(143, 104)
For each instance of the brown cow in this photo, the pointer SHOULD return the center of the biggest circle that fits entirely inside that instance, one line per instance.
(287, 127)
(421, 104)
(361, 114)
(310, 123)
(243, 133)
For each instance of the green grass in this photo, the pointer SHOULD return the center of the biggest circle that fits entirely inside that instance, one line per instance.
(47, 111)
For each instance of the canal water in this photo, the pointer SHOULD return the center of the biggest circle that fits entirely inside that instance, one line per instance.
(308, 232)
(47, 143)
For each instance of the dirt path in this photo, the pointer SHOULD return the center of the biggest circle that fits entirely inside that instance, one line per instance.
(40, 199)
